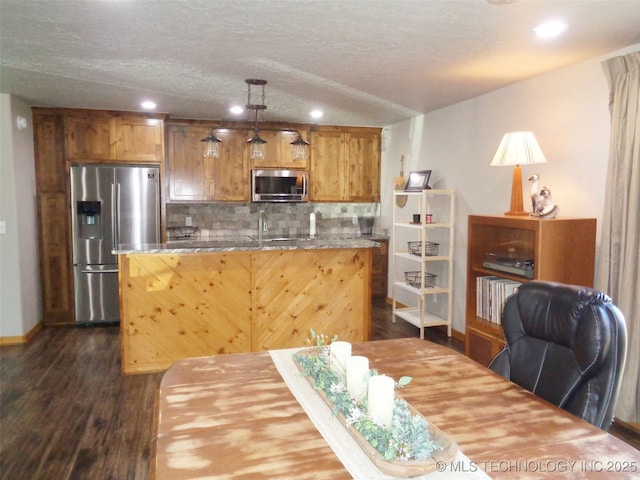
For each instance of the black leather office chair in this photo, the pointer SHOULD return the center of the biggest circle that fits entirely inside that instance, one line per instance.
(566, 344)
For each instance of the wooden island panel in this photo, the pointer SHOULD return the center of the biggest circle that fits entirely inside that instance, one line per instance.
(188, 305)
(179, 305)
(295, 290)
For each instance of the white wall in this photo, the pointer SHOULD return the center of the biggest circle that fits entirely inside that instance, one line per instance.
(568, 112)
(20, 307)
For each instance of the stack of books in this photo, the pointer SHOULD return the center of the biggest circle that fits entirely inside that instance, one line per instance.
(492, 293)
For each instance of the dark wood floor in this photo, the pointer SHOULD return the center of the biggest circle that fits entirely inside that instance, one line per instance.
(66, 411)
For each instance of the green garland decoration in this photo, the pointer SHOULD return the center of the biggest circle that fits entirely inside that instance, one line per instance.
(408, 438)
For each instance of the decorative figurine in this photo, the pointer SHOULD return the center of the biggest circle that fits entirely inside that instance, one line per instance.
(545, 207)
(533, 178)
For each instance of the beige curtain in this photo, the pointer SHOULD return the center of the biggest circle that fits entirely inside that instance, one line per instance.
(620, 259)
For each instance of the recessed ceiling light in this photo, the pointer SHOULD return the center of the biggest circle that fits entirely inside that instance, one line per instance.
(236, 110)
(316, 114)
(148, 105)
(550, 29)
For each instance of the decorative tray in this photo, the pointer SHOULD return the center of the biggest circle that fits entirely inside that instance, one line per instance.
(396, 467)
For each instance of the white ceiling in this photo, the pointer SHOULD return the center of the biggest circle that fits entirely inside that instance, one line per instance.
(364, 62)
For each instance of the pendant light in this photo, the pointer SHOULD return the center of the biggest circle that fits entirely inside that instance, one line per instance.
(256, 143)
(211, 145)
(300, 147)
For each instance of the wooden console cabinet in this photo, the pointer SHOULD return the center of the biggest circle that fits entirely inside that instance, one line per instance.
(562, 250)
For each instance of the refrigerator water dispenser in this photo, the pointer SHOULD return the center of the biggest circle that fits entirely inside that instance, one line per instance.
(89, 220)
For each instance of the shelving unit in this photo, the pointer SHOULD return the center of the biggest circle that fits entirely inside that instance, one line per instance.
(562, 250)
(427, 301)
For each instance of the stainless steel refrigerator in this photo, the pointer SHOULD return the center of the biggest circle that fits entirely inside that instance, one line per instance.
(111, 206)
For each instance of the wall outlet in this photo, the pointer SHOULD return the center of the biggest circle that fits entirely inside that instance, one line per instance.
(3, 227)
(188, 221)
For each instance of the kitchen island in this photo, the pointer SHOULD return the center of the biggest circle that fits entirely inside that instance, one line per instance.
(193, 299)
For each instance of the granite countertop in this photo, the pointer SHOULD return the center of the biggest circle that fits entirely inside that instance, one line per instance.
(248, 243)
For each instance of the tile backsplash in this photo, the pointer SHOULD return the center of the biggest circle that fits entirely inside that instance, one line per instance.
(283, 219)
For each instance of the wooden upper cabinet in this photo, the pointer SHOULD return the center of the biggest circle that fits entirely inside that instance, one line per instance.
(103, 136)
(364, 166)
(345, 165)
(48, 133)
(229, 174)
(90, 137)
(279, 151)
(185, 165)
(194, 178)
(328, 162)
(139, 139)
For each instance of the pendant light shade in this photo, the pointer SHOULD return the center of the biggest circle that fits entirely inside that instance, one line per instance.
(211, 145)
(256, 146)
(300, 147)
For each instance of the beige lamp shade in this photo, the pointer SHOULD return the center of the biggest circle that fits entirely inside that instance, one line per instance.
(516, 149)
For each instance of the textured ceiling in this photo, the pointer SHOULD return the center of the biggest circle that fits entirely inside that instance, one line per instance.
(368, 62)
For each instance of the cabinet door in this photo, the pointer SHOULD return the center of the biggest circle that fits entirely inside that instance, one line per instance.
(90, 137)
(140, 139)
(363, 167)
(48, 136)
(53, 238)
(186, 170)
(55, 260)
(379, 270)
(229, 174)
(328, 166)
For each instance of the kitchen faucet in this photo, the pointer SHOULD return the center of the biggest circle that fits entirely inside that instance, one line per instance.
(262, 224)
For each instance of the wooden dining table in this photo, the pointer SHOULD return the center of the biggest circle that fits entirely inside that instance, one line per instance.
(234, 416)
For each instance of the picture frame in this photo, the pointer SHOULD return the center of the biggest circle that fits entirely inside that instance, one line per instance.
(418, 181)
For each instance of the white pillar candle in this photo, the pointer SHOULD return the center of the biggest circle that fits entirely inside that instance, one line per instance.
(380, 399)
(339, 354)
(357, 377)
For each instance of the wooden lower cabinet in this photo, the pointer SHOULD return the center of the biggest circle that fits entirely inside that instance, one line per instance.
(175, 306)
(483, 341)
(380, 270)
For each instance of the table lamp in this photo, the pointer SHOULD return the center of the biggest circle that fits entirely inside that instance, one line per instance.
(517, 148)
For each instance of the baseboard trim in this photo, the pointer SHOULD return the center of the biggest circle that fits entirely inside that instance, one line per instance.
(454, 333)
(631, 427)
(21, 339)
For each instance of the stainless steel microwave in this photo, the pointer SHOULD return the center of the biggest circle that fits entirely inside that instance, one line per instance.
(279, 186)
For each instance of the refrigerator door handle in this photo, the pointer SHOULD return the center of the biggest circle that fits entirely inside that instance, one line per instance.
(99, 271)
(113, 216)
